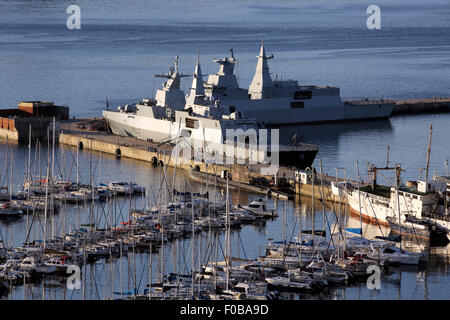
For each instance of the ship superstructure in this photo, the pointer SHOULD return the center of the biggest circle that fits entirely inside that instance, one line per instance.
(282, 102)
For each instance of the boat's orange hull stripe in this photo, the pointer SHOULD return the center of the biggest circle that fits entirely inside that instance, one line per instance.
(371, 220)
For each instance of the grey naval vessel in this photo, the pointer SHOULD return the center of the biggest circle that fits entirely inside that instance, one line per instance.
(285, 102)
(201, 122)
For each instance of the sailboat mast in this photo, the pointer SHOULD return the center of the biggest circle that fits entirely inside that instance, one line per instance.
(339, 213)
(7, 167)
(345, 213)
(397, 179)
(359, 197)
(322, 194)
(192, 244)
(313, 177)
(11, 173)
(228, 258)
(46, 191)
(428, 153)
(29, 159)
(53, 150)
(78, 151)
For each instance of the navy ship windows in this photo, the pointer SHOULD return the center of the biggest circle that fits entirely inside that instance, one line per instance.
(191, 123)
(304, 94)
(297, 104)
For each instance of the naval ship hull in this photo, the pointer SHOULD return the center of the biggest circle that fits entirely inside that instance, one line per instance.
(157, 130)
(141, 128)
(277, 111)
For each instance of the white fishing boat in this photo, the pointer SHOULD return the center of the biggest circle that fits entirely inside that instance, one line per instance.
(376, 203)
(440, 216)
(338, 189)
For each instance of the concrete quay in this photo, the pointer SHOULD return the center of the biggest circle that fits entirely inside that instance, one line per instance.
(129, 147)
(72, 134)
(421, 106)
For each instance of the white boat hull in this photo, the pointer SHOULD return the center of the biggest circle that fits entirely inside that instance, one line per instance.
(277, 111)
(366, 206)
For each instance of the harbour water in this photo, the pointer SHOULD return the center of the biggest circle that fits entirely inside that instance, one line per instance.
(122, 44)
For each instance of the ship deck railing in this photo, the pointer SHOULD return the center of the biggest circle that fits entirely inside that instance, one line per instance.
(438, 216)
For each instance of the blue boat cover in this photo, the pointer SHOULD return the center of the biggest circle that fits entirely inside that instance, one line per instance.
(354, 230)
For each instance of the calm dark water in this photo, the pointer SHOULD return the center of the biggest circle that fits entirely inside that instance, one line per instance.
(121, 45)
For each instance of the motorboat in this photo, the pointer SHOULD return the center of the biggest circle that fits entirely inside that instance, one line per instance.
(394, 255)
(259, 208)
(8, 211)
(125, 188)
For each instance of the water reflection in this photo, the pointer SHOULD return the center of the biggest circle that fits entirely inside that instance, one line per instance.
(327, 135)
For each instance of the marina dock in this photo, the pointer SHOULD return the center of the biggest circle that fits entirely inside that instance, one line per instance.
(133, 148)
(90, 134)
(419, 106)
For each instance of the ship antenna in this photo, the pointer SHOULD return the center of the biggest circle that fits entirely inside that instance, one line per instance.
(176, 64)
(198, 55)
(428, 153)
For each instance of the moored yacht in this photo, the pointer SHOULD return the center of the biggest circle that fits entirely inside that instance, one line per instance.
(259, 208)
(394, 255)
